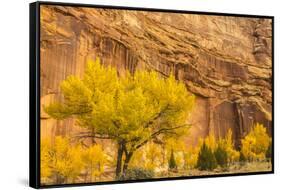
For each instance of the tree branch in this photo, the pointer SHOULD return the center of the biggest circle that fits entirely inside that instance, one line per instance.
(91, 135)
(115, 123)
(125, 150)
(157, 116)
(160, 131)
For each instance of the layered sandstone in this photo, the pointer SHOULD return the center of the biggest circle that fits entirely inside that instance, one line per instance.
(225, 61)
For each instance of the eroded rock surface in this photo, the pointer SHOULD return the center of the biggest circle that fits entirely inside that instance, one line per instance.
(225, 61)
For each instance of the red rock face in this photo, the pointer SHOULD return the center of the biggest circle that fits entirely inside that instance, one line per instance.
(225, 61)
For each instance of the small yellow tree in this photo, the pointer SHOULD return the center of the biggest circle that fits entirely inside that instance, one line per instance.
(190, 158)
(153, 155)
(61, 161)
(138, 159)
(45, 170)
(211, 142)
(94, 160)
(232, 154)
(148, 157)
(175, 148)
(256, 143)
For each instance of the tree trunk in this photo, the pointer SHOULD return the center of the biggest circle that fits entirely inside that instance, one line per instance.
(119, 160)
(126, 162)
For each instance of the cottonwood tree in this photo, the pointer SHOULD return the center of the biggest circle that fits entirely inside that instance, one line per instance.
(94, 159)
(60, 161)
(131, 110)
(148, 157)
(190, 156)
(256, 143)
(228, 144)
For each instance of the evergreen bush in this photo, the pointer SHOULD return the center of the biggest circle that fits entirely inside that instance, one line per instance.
(206, 158)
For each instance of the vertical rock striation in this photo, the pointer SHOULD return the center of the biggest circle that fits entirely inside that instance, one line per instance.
(225, 61)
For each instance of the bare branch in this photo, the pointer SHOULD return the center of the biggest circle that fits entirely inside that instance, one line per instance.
(157, 116)
(90, 135)
(160, 131)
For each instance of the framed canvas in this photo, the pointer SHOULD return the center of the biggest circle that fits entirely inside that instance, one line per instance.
(121, 94)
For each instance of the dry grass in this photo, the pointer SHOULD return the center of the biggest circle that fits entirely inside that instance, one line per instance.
(234, 168)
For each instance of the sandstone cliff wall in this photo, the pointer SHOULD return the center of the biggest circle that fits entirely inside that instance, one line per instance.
(224, 61)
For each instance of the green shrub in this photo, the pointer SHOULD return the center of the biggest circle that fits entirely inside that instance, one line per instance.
(206, 158)
(269, 152)
(221, 156)
(137, 173)
(242, 159)
(172, 161)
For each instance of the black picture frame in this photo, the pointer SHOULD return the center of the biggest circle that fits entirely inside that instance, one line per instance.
(34, 93)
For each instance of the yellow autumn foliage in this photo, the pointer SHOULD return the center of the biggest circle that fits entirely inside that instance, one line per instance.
(227, 144)
(153, 154)
(45, 170)
(64, 162)
(178, 146)
(148, 157)
(190, 157)
(60, 160)
(94, 159)
(210, 141)
(255, 144)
